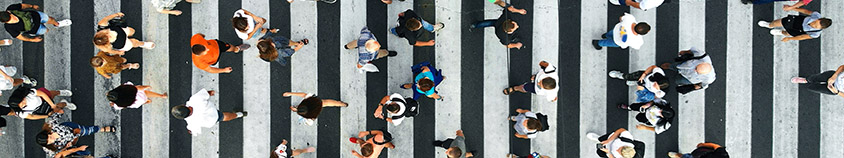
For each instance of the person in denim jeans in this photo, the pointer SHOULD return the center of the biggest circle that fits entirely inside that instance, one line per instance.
(410, 27)
(627, 33)
(58, 139)
(275, 47)
(504, 27)
(24, 21)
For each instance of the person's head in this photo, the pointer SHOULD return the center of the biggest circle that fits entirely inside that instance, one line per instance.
(667, 114)
(642, 28)
(821, 23)
(309, 107)
(659, 80)
(454, 152)
(8, 17)
(101, 38)
(425, 84)
(392, 107)
(366, 150)
(703, 68)
(510, 26)
(267, 50)
(18, 96)
(628, 152)
(180, 111)
(548, 83)
(46, 138)
(198, 49)
(372, 45)
(97, 61)
(240, 23)
(534, 124)
(123, 95)
(413, 24)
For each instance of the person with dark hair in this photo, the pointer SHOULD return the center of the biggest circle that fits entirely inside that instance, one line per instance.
(655, 115)
(275, 47)
(206, 53)
(281, 150)
(129, 95)
(410, 26)
(311, 106)
(166, 6)
(426, 81)
(7, 83)
(618, 144)
(703, 150)
(641, 4)
(652, 79)
(370, 51)
(107, 65)
(505, 28)
(25, 22)
(394, 108)
(531, 155)
(58, 139)
(527, 124)
(809, 25)
(114, 37)
(247, 25)
(372, 146)
(826, 82)
(546, 85)
(627, 33)
(200, 113)
(33, 104)
(694, 70)
(455, 148)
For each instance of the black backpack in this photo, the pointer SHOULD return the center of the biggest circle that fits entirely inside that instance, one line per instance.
(544, 120)
(410, 105)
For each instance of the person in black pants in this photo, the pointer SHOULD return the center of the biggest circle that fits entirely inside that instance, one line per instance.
(455, 148)
(505, 28)
(654, 116)
(824, 83)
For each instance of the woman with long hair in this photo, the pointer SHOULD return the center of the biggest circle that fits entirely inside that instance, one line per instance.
(129, 95)
(59, 138)
(115, 38)
(36, 104)
(311, 106)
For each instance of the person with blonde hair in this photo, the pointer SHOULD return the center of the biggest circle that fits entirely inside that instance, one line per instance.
(373, 146)
(618, 144)
(107, 65)
(115, 37)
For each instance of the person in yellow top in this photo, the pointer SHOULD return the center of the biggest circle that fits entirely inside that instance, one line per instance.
(107, 65)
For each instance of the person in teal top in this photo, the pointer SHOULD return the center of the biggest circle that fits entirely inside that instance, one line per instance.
(426, 81)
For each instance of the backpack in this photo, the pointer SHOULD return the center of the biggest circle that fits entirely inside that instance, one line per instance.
(544, 120)
(410, 105)
(639, 146)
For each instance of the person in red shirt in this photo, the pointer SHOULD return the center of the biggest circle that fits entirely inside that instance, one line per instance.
(206, 53)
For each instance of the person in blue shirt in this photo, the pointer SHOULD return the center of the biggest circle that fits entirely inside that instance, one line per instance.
(426, 81)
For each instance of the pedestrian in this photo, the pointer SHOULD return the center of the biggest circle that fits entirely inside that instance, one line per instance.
(311, 106)
(370, 51)
(281, 150)
(114, 36)
(827, 82)
(505, 28)
(532, 155)
(655, 115)
(798, 4)
(129, 95)
(247, 25)
(275, 47)
(58, 139)
(376, 141)
(456, 147)
(652, 79)
(545, 86)
(166, 6)
(641, 4)
(618, 144)
(426, 81)
(8, 83)
(36, 104)
(694, 68)
(809, 25)
(397, 108)
(26, 23)
(206, 53)
(200, 113)
(410, 26)
(110, 64)
(528, 123)
(703, 150)
(627, 33)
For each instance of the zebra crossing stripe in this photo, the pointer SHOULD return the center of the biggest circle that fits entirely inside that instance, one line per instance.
(257, 91)
(593, 70)
(830, 59)
(639, 60)
(691, 114)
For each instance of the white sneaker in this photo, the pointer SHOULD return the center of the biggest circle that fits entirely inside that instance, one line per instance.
(673, 154)
(632, 83)
(69, 106)
(65, 93)
(616, 74)
(65, 22)
(29, 81)
(438, 27)
(593, 137)
(148, 45)
(764, 24)
(777, 32)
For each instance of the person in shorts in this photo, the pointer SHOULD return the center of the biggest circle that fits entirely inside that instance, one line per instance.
(807, 25)
(206, 53)
(200, 113)
(24, 21)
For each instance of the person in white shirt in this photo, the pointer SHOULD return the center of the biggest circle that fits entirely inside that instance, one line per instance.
(200, 113)
(627, 33)
(618, 144)
(652, 79)
(281, 150)
(397, 108)
(542, 83)
(641, 4)
(247, 25)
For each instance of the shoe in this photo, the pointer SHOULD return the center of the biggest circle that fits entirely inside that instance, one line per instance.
(243, 47)
(437, 143)
(148, 45)
(510, 155)
(593, 137)
(603, 36)
(632, 83)
(69, 105)
(623, 106)
(353, 140)
(764, 24)
(402, 86)
(438, 27)
(512, 118)
(673, 154)
(392, 53)
(6, 42)
(65, 22)
(616, 74)
(242, 114)
(798, 80)
(776, 32)
(30, 81)
(65, 93)
(596, 45)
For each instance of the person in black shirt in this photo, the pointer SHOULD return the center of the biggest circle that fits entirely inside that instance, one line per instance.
(410, 27)
(25, 22)
(504, 27)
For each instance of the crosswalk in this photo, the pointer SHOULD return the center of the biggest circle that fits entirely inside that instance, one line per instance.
(752, 108)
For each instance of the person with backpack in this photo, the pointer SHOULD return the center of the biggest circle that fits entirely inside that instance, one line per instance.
(410, 26)
(371, 147)
(827, 82)
(652, 79)
(798, 27)
(655, 115)
(426, 81)
(694, 70)
(528, 123)
(703, 150)
(546, 85)
(618, 144)
(35, 104)
(311, 106)
(397, 108)
(114, 36)
(26, 23)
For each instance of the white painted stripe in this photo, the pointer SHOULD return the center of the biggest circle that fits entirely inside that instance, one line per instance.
(256, 73)
(304, 67)
(496, 78)
(14, 130)
(546, 48)
(204, 20)
(691, 108)
(593, 71)
(739, 78)
(56, 75)
(399, 73)
(785, 108)
(639, 60)
(104, 114)
(156, 67)
(353, 84)
(448, 51)
(831, 139)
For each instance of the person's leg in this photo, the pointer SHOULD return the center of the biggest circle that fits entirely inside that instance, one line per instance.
(155, 95)
(633, 76)
(445, 144)
(302, 151)
(228, 116)
(382, 53)
(819, 88)
(775, 23)
(54, 93)
(135, 42)
(333, 103)
(129, 31)
(83, 130)
(608, 42)
(485, 23)
(352, 44)
(820, 78)
(47, 19)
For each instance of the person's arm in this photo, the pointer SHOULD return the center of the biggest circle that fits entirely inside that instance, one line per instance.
(28, 39)
(355, 153)
(613, 136)
(510, 8)
(298, 46)
(633, 4)
(643, 127)
(35, 117)
(435, 96)
(803, 11)
(424, 43)
(47, 99)
(709, 145)
(522, 111)
(797, 38)
(104, 21)
(218, 70)
(647, 71)
(521, 136)
(792, 7)
(460, 133)
(26, 6)
(7, 77)
(515, 45)
(298, 94)
(106, 75)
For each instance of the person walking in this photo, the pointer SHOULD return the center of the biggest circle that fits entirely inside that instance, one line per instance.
(640, 4)
(426, 81)
(8, 83)
(166, 6)
(114, 36)
(797, 4)
(505, 28)
(206, 53)
(35, 104)
(410, 26)
(370, 51)
(200, 113)
(618, 144)
(703, 150)
(694, 68)
(456, 147)
(281, 150)
(275, 47)
(58, 139)
(311, 106)
(26, 23)
(528, 123)
(532, 155)
(655, 115)
(397, 108)
(827, 82)
(106, 65)
(372, 146)
(652, 79)
(546, 85)
(627, 33)
(808, 25)
(129, 95)
(247, 25)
